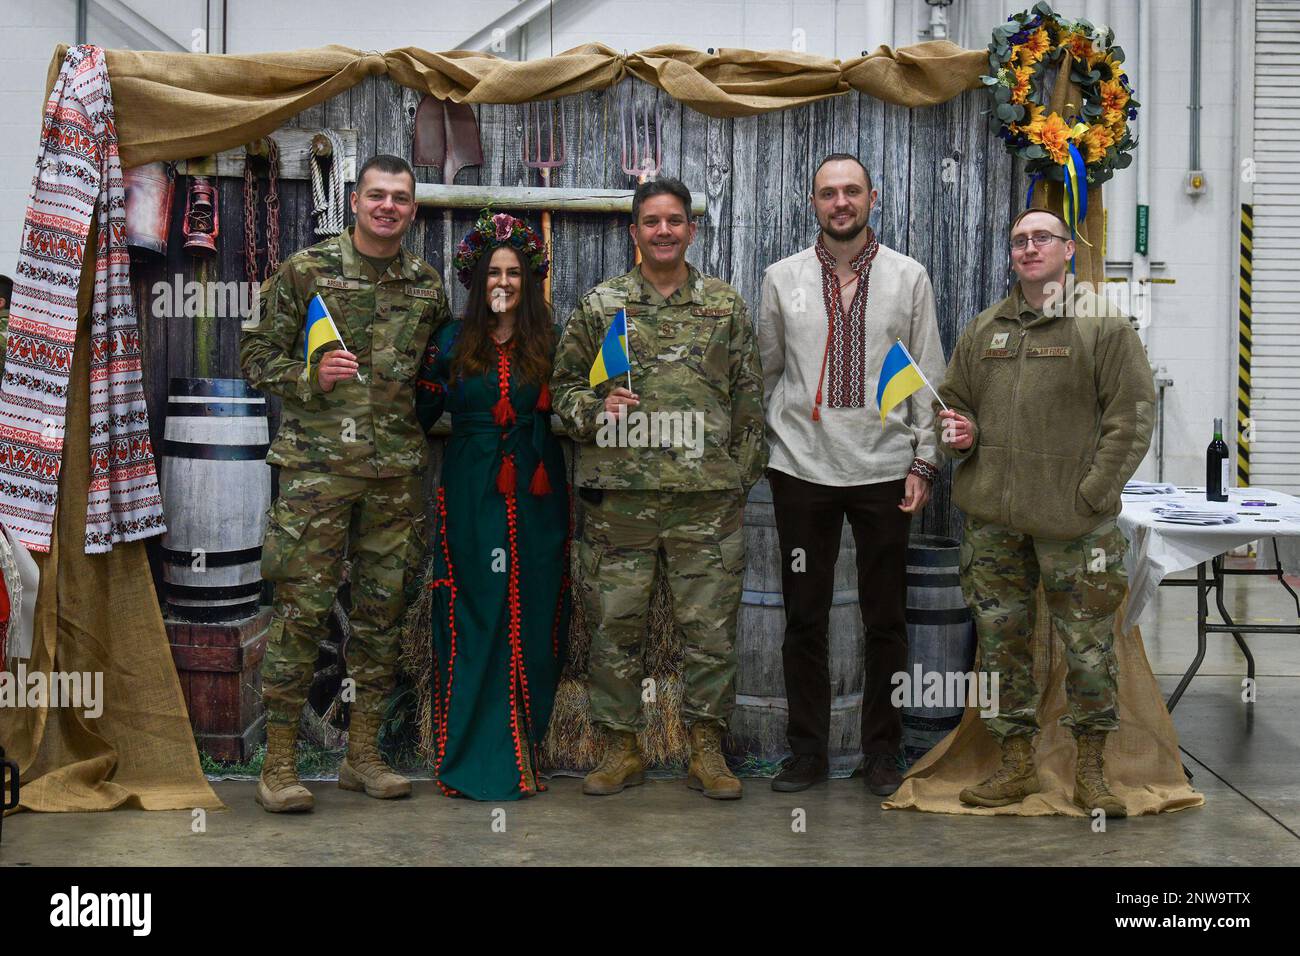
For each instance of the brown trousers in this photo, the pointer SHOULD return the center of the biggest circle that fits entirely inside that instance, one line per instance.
(809, 516)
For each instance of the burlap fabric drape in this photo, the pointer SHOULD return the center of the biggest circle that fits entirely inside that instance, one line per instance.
(1143, 765)
(178, 105)
(99, 613)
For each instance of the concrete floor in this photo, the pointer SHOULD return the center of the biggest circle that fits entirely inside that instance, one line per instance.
(1246, 760)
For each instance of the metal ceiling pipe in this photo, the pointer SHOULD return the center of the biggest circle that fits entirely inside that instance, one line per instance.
(1194, 127)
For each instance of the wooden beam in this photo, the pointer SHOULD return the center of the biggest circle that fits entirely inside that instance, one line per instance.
(536, 198)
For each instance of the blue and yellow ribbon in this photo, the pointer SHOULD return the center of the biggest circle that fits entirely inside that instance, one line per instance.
(1075, 202)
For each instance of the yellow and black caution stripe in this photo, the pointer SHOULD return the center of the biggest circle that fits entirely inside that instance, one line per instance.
(1243, 346)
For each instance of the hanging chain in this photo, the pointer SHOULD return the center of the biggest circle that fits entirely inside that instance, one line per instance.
(272, 215)
(273, 210)
(250, 222)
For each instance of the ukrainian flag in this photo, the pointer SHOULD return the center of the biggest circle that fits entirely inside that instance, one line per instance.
(899, 377)
(612, 358)
(321, 329)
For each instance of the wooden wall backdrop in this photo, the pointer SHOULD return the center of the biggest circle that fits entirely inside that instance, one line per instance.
(947, 193)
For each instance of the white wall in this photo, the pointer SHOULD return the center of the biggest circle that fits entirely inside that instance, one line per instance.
(1194, 321)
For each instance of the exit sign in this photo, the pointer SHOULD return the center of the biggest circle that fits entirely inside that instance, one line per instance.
(1143, 221)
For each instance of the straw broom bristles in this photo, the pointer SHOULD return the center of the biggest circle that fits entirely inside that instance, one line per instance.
(416, 659)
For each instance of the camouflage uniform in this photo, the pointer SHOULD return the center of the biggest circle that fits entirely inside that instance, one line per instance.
(1083, 581)
(693, 352)
(350, 462)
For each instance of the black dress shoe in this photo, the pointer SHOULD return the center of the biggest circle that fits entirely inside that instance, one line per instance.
(880, 773)
(799, 772)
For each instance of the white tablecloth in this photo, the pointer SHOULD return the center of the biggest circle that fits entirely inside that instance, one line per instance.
(1158, 548)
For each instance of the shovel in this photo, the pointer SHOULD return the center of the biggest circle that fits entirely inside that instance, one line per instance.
(446, 136)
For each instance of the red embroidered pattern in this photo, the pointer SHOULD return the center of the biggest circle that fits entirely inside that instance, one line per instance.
(518, 674)
(78, 178)
(846, 381)
(442, 705)
(504, 414)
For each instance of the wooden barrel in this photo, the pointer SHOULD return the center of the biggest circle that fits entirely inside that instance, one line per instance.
(216, 488)
(758, 724)
(940, 638)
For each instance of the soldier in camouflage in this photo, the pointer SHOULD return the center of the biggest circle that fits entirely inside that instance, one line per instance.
(1050, 410)
(663, 473)
(351, 453)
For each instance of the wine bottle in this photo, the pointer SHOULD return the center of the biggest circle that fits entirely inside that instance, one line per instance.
(1217, 479)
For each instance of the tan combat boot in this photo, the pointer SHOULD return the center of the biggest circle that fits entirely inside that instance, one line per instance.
(279, 790)
(708, 770)
(1090, 790)
(1011, 782)
(363, 768)
(621, 767)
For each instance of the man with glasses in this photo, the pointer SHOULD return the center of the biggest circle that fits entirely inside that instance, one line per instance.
(1051, 405)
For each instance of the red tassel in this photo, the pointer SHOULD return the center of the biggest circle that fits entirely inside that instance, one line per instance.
(544, 399)
(503, 412)
(541, 483)
(506, 476)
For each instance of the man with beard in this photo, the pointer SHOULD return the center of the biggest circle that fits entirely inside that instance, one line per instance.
(828, 316)
(1050, 406)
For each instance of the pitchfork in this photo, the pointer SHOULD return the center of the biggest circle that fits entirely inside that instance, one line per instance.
(642, 160)
(554, 158)
(644, 141)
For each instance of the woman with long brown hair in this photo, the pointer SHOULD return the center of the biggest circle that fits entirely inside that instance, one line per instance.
(500, 559)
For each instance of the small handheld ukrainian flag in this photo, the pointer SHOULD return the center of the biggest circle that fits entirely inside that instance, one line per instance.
(612, 358)
(900, 376)
(321, 329)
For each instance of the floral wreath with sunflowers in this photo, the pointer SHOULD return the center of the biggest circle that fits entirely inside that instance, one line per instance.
(1092, 144)
(491, 231)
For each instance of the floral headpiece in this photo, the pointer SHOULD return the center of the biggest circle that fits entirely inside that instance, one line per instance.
(492, 231)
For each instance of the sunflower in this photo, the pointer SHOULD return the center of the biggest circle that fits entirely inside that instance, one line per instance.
(1110, 68)
(1113, 95)
(1032, 125)
(1114, 120)
(1096, 141)
(1020, 86)
(1035, 45)
(1080, 46)
(1054, 136)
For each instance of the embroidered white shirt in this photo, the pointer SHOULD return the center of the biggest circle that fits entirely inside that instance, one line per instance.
(847, 446)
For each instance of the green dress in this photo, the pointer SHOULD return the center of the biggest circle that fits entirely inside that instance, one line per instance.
(500, 576)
